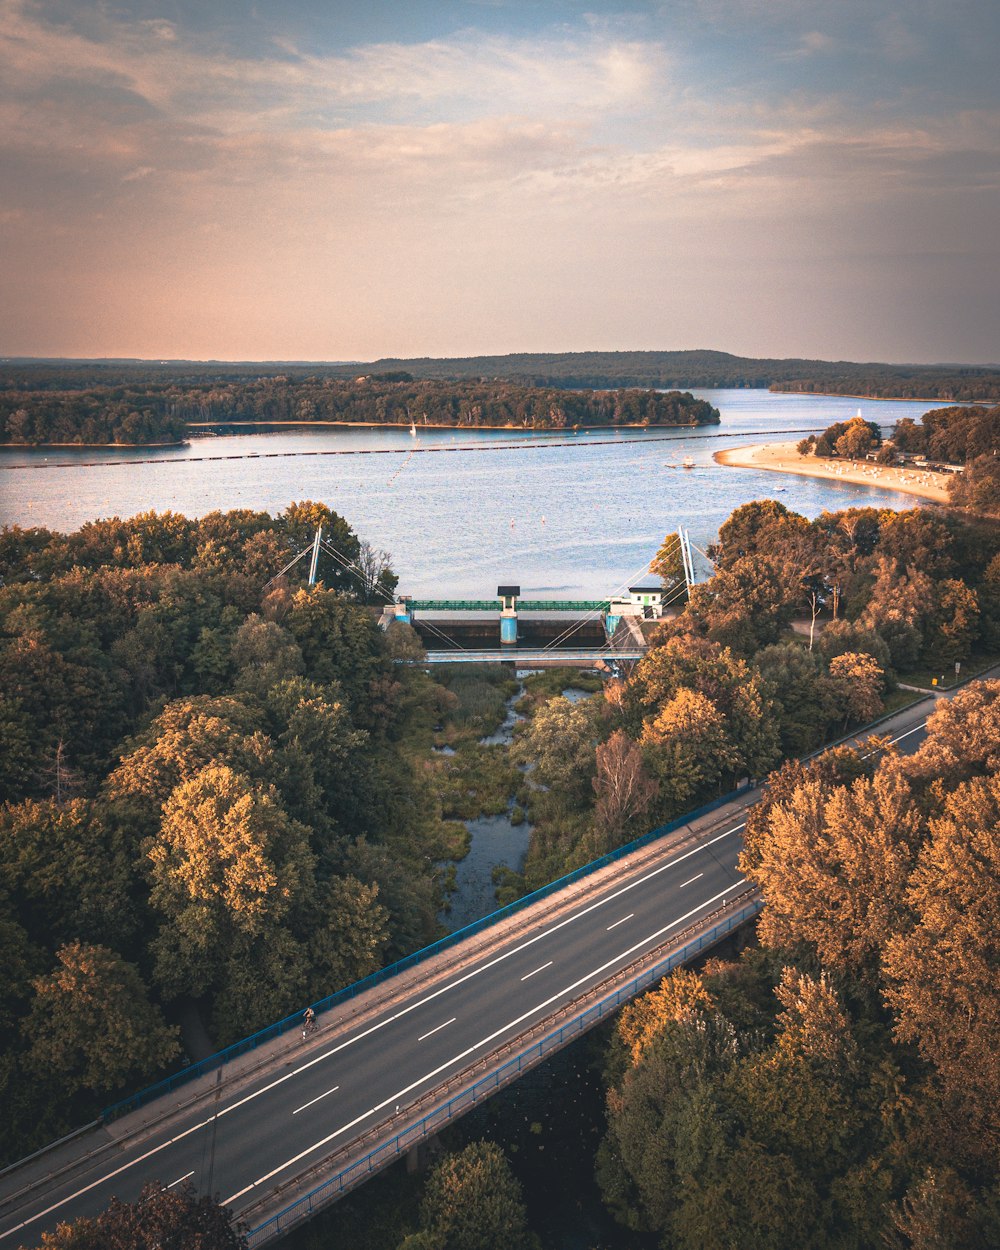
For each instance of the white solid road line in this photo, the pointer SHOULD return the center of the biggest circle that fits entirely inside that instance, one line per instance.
(622, 921)
(541, 969)
(401, 1094)
(367, 1032)
(181, 1178)
(691, 882)
(318, 1098)
(438, 1029)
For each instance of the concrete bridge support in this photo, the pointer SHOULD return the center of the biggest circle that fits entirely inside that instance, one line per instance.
(508, 614)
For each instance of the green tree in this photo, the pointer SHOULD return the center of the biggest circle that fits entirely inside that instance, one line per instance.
(560, 740)
(472, 1201)
(91, 1025)
(806, 704)
(227, 862)
(70, 870)
(954, 625)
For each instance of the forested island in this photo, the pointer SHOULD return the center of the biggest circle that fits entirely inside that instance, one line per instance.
(152, 411)
(133, 402)
(161, 693)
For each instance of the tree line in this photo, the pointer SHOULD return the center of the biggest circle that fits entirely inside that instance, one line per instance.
(161, 411)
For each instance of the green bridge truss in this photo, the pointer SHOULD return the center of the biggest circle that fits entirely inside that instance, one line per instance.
(523, 605)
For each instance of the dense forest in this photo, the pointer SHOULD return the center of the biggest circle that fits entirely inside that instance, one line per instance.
(161, 412)
(211, 805)
(221, 801)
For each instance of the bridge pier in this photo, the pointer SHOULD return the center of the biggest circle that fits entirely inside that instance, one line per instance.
(508, 614)
(420, 1156)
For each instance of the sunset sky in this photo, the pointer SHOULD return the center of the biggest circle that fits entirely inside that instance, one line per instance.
(330, 180)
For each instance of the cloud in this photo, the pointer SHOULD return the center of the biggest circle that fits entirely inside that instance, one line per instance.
(156, 165)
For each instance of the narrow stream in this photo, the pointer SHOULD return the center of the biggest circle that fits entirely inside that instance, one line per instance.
(494, 839)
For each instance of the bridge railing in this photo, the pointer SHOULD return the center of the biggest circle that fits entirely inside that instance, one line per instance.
(247, 1044)
(523, 605)
(386, 1151)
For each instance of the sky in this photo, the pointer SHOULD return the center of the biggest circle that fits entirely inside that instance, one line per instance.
(334, 180)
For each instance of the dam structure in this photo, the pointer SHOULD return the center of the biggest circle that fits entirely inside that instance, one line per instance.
(514, 630)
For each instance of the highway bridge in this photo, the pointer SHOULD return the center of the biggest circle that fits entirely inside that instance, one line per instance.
(284, 1128)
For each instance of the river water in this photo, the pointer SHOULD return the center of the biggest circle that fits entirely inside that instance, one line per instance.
(572, 521)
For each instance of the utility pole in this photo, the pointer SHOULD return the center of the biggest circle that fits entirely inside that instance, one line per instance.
(315, 556)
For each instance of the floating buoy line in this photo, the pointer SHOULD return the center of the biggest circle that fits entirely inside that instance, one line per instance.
(537, 444)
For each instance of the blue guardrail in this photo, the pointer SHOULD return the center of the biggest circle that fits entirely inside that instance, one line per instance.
(222, 1057)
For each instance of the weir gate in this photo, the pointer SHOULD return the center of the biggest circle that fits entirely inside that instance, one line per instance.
(510, 629)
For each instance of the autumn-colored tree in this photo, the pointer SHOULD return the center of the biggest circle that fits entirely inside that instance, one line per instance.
(858, 438)
(834, 866)
(187, 736)
(857, 682)
(963, 738)
(942, 977)
(677, 997)
(668, 565)
(227, 861)
(688, 746)
(623, 788)
(725, 679)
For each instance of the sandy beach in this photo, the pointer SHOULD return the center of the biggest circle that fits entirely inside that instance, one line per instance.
(783, 458)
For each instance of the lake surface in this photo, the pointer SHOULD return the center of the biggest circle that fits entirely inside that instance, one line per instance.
(572, 521)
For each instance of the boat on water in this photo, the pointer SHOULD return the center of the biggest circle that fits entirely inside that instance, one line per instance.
(413, 430)
(688, 463)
